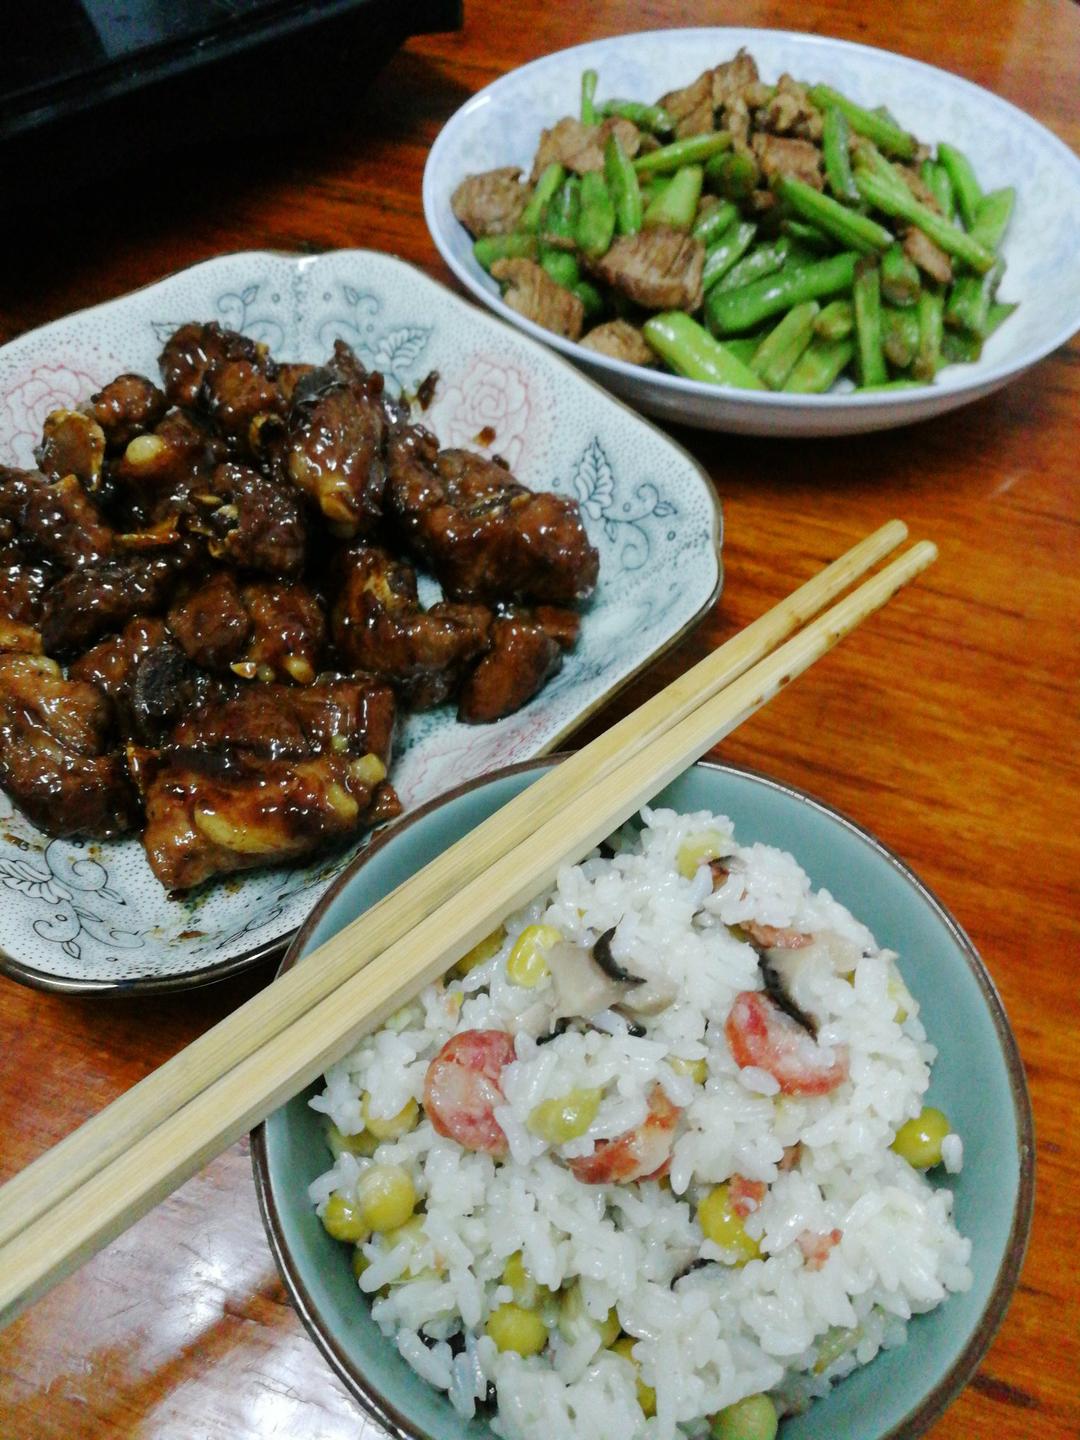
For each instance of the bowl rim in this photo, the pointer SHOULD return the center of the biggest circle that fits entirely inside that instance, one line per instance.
(273, 948)
(983, 378)
(381, 1409)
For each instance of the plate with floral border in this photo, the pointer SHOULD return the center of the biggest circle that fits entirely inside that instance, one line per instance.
(81, 916)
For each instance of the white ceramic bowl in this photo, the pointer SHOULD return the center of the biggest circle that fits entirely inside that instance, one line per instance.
(501, 126)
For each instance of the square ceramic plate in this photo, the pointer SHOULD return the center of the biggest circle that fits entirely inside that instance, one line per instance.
(80, 916)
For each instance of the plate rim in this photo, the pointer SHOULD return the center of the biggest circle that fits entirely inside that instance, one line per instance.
(912, 1425)
(144, 985)
(673, 386)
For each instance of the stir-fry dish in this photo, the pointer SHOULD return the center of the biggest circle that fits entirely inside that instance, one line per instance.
(227, 567)
(740, 233)
(649, 1161)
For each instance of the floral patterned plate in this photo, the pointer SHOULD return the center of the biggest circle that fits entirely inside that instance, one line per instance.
(90, 916)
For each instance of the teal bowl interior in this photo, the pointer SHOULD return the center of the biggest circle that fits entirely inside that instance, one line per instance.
(978, 1080)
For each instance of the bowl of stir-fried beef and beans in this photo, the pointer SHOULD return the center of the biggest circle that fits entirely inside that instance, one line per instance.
(761, 231)
(290, 545)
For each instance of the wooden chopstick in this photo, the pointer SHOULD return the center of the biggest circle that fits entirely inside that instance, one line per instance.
(100, 1140)
(69, 1231)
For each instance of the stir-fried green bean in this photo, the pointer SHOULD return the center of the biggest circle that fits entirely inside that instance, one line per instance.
(712, 223)
(866, 297)
(966, 188)
(968, 305)
(930, 312)
(594, 228)
(774, 359)
(490, 248)
(900, 202)
(900, 283)
(623, 186)
(819, 366)
(761, 261)
(731, 246)
(733, 175)
(852, 230)
(936, 179)
(653, 118)
(885, 134)
(691, 351)
(899, 335)
(550, 179)
(835, 141)
(677, 203)
(691, 150)
(836, 321)
(808, 236)
(588, 97)
(728, 312)
(992, 216)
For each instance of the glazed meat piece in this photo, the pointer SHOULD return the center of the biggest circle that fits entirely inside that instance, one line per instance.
(71, 444)
(62, 523)
(249, 519)
(190, 351)
(522, 657)
(621, 341)
(239, 396)
(491, 203)
(334, 443)
(53, 734)
(484, 535)
(659, 268)
(379, 626)
(692, 107)
(530, 290)
(22, 588)
(146, 676)
(580, 147)
(128, 406)
(160, 471)
(96, 599)
(264, 630)
(779, 156)
(268, 777)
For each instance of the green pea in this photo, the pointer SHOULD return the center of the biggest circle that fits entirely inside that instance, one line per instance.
(918, 1141)
(753, 1418)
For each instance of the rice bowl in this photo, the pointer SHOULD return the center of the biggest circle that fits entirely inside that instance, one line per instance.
(798, 1307)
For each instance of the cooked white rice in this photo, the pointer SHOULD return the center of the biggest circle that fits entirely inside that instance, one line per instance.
(782, 1323)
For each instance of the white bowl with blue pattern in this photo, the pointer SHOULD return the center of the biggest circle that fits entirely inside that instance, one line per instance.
(501, 126)
(84, 916)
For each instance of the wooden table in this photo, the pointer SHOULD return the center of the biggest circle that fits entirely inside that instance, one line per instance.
(947, 725)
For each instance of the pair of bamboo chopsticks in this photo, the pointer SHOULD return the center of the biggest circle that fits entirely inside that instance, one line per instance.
(91, 1186)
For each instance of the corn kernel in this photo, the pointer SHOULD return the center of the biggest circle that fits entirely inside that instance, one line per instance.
(698, 849)
(527, 1293)
(527, 964)
(566, 1117)
(386, 1196)
(514, 1328)
(918, 1141)
(362, 1144)
(720, 1224)
(696, 1070)
(481, 952)
(646, 1395)
(343, 1219)
(389, 1128)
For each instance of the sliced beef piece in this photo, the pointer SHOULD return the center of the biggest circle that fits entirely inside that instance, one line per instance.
(249, 519)
(380, 626)
(128, 406)
(271, 776)
(71, 444)
(928, 256)
(778, 155)
(692, 107)
(334, 442)
(490, 203)
(211, 624)
(530, 290)
(736, 78)
(53, 760)
(659, 268)
(790, 111)
(580, 147)
(189, 352)
(522, 657)
(918, 186)
(483, 534)
(96, 599)
(621, 341)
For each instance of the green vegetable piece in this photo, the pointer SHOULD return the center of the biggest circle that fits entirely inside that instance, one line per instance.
(595, 226)
(730, 312)
(743, 346)
(653, 118)
(999, 313)
(992, 217)
(835, 135)
(623, 187)
(885, 134)
(551, 178)
(490, 248)
(590, 298)
(930, 313)
(560, 217)
(866, 297)
(836, 321)
(691, 351)
(711, 224)
(960, 348)
(562, 266)
(731, 246)
(899, 335)
(852, 230)
(691, 150)
(733, 175)
(677, 203)
(936, 178)
(775, 357)
(966, 188)
(900, 282)
(900, 203)
(752, 1418)
(809, 236)
(588, 97)
(761, 261)
(968, 305)
(902, 383)
(818, 366)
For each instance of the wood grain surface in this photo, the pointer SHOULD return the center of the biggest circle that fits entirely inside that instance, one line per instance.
(948, 725)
